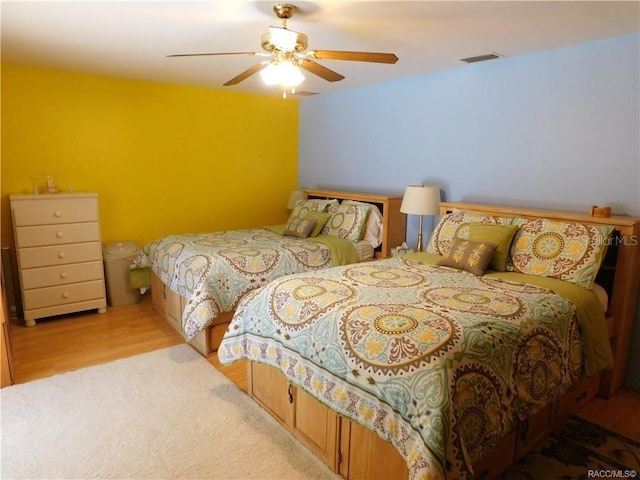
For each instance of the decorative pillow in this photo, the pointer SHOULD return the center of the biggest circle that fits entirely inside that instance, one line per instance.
(501, 235)
(373, 228)
(565, 250)
(456, 224)
(472, 257)
(321, 219)
(302, 207)
(347, 221)
(299, 227)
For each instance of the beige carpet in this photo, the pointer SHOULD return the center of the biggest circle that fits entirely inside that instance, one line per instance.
(164, 414)
(170, 414)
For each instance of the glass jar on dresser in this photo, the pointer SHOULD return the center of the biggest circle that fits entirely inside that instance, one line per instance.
(59, 252)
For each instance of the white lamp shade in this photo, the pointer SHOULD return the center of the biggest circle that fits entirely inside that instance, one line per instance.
(421, 200)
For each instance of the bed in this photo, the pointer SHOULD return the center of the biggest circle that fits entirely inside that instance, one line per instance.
(197, 279)
(440, 367)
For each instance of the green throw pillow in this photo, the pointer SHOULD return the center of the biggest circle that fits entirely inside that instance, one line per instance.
(321, 219)
(501, 235)
(472, 257)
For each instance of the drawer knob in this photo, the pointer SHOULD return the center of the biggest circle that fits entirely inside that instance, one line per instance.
(60, 234)
(62, 255)
(58, 213)
(64, 275)
(65, 295)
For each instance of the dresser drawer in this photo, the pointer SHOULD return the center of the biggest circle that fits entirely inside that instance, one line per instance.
(57, 234)
(59, 255)
(55, 211)
(61, 275)
(63, 294)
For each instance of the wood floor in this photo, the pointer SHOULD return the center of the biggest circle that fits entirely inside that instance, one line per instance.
(71, 342)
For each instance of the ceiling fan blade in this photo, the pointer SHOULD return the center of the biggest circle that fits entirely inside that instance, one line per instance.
(208, 54)
(354, 56)
(320, 70)
(246, 74)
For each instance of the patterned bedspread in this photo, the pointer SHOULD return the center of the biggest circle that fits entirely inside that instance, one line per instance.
(439, 362)
(214, 270)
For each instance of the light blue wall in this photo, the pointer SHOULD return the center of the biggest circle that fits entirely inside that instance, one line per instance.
(558, 129)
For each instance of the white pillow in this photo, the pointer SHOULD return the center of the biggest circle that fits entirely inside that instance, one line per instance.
(602, 295)
(373, 232)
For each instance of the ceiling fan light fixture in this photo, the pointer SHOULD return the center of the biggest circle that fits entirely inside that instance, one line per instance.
(283, 73)
(288, 54)
(284, 40)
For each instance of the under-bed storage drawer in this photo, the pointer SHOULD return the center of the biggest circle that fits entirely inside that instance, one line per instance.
(533, 429)
(170, 305)
(271, 390)
(167, 303)
(310, 421)
(357, 443)
(576, 397)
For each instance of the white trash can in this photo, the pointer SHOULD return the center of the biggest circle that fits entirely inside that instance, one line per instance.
(117, 257)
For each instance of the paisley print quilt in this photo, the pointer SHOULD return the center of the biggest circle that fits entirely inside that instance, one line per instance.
(439, 362)
(214, 270)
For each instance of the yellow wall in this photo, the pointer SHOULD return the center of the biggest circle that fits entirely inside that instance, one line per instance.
(163, 158)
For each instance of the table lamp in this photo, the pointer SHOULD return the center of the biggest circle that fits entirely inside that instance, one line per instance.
(421, 200)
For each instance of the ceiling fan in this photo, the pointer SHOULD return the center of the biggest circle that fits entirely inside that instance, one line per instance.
(287, 53)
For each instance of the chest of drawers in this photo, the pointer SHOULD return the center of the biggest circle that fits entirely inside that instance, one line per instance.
(59, 253)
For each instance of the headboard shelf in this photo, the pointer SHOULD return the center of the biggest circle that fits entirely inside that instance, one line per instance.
(622, 223)
(394, 223)
(620, 272)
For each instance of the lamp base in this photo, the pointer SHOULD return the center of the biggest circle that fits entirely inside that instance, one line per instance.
(419, 246)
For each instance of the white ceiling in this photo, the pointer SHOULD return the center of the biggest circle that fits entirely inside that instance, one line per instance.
(131, 39)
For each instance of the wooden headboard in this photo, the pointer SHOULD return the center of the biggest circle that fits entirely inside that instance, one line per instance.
(394, 223)
(619, 274)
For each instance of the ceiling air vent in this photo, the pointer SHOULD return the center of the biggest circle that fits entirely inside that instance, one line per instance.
(482, 58)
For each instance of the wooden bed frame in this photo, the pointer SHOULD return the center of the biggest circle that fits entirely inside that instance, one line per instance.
(170, 304)
(356, 452)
